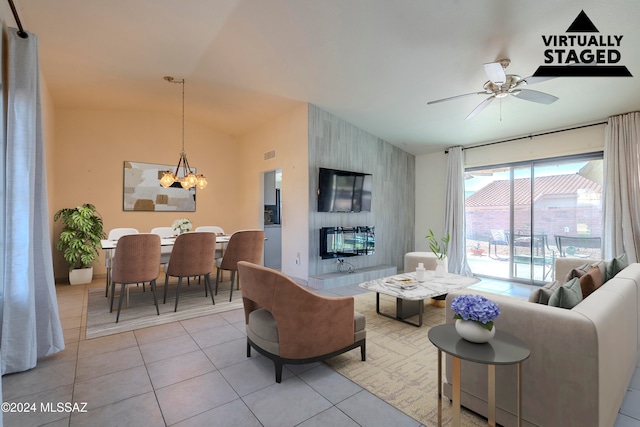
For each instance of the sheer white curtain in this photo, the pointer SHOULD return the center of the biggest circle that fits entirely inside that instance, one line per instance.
(622, 186)
(454, 213)
(28, 306)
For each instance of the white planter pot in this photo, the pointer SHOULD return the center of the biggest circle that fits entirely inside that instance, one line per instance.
(81, 276)
(471, 331)
(442, 267)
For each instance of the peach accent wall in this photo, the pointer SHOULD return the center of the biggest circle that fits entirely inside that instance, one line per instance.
(288, 135)
(92, 145)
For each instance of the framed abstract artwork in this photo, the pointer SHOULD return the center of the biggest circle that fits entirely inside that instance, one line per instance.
(143, 192)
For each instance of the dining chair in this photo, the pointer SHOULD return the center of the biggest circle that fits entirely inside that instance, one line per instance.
(136, 260)
(114, 234)
(213, 229)
(193, 255)
(165, 251)
(244, 245)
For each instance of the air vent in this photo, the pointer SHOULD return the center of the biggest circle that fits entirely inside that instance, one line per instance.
(269, 154)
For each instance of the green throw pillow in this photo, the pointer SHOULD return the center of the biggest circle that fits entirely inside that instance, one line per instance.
(616, 265)
(567, 295)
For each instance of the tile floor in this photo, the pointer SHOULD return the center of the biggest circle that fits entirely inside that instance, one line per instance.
(188, 373)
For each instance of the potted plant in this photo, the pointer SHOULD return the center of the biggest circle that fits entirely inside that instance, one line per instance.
(80, 240)
(476, 250)
(439, 249)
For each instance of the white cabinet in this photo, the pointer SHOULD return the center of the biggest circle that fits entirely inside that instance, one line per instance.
(273, 246)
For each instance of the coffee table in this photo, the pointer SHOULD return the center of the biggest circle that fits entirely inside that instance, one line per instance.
(410, 294)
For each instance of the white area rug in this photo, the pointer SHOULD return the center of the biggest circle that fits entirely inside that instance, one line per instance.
(141, 313)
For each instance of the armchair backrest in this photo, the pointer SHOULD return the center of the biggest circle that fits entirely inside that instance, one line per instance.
(308, 324)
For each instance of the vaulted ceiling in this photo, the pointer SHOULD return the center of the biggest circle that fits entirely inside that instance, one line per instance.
(374, 63)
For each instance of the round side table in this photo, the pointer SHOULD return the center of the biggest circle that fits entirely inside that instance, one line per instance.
(503, 349)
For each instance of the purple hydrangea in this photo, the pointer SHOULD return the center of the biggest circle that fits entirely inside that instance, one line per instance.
(475, 307)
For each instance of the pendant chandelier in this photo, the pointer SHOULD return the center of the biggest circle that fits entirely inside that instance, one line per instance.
(183, 174)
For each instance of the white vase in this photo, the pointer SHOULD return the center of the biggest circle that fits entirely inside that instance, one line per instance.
(441, 265)
(472, 331)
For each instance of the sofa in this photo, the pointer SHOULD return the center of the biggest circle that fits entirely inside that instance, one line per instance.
(582, 358)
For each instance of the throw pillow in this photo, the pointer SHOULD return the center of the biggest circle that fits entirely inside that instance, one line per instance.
(577, 272)
(603, 269)
(616, 265)
(567, 295)
(542, 294)
(591, 281)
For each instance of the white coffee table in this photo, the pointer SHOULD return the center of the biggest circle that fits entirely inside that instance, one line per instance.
(410, 294)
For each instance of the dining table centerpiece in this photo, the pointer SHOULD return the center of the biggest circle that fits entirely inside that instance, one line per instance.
(182, 225)
(474, 316)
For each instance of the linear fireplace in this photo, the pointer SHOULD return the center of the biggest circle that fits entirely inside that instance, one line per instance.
(338, 242)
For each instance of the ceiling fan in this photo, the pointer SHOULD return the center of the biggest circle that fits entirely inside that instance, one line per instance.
(501, 85)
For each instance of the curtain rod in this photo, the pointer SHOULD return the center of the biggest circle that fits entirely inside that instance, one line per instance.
(530, 136)
(21, 32)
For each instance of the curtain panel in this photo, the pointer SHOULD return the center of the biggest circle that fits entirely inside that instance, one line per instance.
(454, 221)
(621, 216)
(28, 305)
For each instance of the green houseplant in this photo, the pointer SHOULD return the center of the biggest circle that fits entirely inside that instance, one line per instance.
(79, 239)
(439, 249)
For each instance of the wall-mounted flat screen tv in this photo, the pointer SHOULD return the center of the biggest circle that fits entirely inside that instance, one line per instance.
(344, 191)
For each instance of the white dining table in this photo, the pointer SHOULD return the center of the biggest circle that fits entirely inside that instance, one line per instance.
(110, 245)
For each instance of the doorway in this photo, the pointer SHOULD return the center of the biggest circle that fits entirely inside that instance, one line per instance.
(521, 217)
(272, 186)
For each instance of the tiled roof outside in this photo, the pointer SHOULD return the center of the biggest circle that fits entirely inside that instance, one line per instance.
(496, 193)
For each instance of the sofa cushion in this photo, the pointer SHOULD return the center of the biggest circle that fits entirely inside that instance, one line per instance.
(616, 265)
(591, 281)
(567, 295)
(542, 294)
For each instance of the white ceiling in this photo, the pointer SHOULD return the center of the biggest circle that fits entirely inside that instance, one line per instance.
(375, 63)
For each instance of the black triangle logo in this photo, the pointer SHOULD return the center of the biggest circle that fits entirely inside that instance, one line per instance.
(582, 24)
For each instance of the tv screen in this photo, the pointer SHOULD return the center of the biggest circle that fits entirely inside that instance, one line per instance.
(344, 191)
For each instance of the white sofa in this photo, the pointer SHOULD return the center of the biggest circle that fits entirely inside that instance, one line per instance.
(581, 360)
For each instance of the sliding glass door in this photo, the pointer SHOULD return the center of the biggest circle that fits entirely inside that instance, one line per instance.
(520, 217)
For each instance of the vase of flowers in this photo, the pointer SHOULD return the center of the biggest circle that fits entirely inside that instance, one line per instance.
(474, 315)
(182, 225)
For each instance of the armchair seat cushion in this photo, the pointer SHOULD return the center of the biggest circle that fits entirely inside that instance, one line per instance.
(263, 330)
(359, 326)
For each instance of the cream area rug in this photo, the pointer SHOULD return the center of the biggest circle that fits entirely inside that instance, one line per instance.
(402, 364)
(140, 311)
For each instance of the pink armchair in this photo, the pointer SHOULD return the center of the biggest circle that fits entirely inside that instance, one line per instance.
(291, 325)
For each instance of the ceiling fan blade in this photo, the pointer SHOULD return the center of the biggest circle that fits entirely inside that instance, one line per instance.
(533, 80)
(454, 97)
(480, 107)
(495, 72)
(535, 96)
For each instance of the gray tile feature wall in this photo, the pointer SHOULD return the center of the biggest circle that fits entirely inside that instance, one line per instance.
(336, 144)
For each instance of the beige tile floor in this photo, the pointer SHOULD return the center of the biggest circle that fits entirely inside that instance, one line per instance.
(195, 373)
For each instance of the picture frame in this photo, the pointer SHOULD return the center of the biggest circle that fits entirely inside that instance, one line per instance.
(142, 191)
